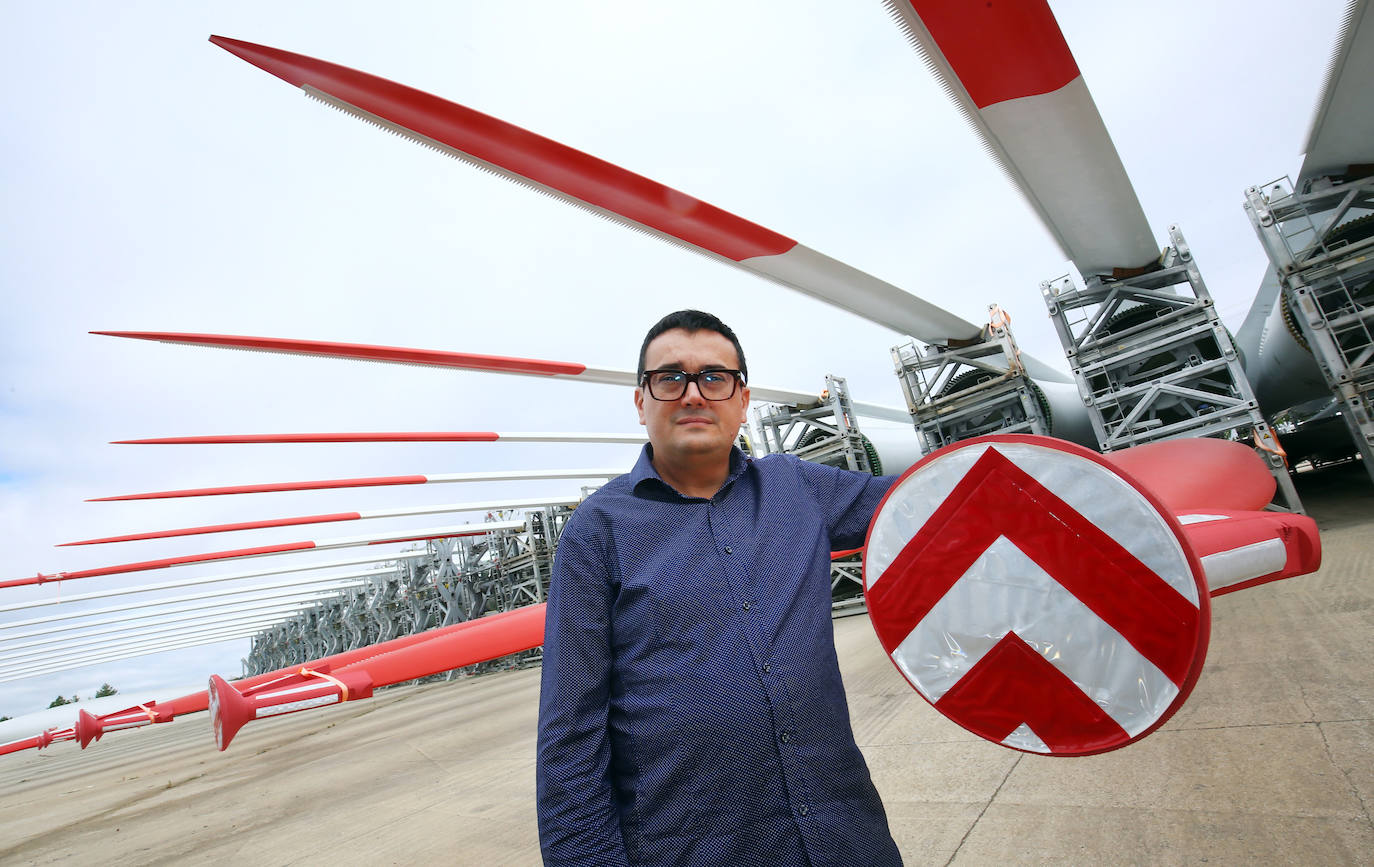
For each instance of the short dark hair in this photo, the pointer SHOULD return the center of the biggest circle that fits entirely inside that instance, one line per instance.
(691, 320)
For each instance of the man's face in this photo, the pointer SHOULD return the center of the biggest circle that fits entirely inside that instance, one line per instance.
(691, 425)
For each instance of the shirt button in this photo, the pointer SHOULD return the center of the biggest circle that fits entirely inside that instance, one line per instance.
(802, 810)
(767, 668)
(746, 606)
(729, 550)
(786, 737)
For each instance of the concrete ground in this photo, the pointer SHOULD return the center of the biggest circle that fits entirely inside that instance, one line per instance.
(1270, 761)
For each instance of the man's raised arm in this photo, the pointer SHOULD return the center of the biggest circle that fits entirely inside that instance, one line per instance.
(847, 500)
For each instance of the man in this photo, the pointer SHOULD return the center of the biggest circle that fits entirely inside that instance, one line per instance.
(691, 709)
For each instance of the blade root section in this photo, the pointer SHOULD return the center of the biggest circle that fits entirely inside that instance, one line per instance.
(331, 681)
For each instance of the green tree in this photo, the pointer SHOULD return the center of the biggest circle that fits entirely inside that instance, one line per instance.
(105, 689)
(61, 700)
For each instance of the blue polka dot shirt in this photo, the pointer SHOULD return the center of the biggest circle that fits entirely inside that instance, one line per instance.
(691, 709)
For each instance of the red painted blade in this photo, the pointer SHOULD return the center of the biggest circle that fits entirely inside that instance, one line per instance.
(332, 517)
(374, 481)
(606, 190)
(481, 640)
(220, 528)
(366, 352)
(1199, 473)
(322, 684)
(394, 661)
(241, 553)
(1243, 549)
(388, 437)
(33, 743)
(158, 564)
(519, 154)
(467, 361)
(403, 437)
(271, 487)
(1008, 68)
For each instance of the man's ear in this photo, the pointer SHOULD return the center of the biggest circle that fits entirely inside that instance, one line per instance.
(639, 404)
(744, 409)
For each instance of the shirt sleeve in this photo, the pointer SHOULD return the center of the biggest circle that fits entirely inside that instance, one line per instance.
(578, 820)
(847, 500)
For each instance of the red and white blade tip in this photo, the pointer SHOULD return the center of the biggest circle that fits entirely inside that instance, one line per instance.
(363, 352)
(390, 437)
(604, 189)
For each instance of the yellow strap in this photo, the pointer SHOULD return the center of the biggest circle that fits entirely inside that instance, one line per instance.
(1277, 448)
(343, 688)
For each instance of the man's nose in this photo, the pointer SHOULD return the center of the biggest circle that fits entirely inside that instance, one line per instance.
(692, 394)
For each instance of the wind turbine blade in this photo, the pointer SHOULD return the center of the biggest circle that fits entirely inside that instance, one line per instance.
(485, 638)
(387, 355)
(604, 189)
(374, 481)
(469, 361)
(396, 437)
(67, 601)
(76, 647)
(34, 743)
(467, 643)
(1009, 70)
(127, 653)
(170, 606)
(488, 506)
(1342, 132)
(267, 550)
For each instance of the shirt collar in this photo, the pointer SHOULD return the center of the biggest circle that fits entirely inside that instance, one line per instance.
(644, 472)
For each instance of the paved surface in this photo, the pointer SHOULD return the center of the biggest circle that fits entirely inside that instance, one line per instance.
(1270, 761)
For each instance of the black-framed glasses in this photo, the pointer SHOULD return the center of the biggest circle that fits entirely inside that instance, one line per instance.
(716, 383)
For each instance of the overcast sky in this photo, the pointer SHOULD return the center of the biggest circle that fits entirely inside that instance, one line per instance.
(154, 182)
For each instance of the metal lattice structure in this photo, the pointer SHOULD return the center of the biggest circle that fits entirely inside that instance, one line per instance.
(847, 585)
(458, 579)
(826, 433)
(1321, 244)
(1153, 361)
(960, 390)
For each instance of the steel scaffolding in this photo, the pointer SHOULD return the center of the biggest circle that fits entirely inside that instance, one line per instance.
(1320, 243)
(964, 390)
(1152, 360)
(457, 579)
(826, 433)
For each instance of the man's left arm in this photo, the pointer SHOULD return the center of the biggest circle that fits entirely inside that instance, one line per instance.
(847, 500)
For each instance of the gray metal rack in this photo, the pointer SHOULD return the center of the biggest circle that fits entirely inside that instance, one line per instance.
(1321, 244)
(1153, 361)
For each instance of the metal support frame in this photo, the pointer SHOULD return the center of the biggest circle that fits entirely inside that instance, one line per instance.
(825, 433)
(1153, 361)
(1326, 275)
(955, 392)
(456, 580)
(847, 585)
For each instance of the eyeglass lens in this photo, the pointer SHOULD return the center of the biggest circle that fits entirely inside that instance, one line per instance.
(672, 384)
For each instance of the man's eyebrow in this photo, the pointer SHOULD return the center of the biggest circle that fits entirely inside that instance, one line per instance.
(678, 365)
